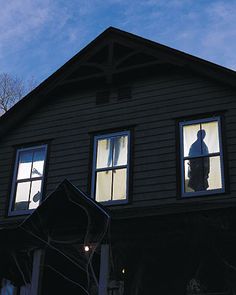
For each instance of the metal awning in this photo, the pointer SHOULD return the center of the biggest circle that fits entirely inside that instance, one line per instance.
(66, 214)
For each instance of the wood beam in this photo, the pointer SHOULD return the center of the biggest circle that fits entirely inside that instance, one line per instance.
(76, 80)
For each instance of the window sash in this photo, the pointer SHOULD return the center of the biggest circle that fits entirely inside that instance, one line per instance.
(30, 179)
(209, 155)
(112, 196)
(110, 168)
(203, 156)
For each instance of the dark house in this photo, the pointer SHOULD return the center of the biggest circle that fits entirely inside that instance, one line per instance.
(118, 176)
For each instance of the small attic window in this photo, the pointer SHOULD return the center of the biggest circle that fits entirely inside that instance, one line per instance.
(124, 92)
(102, 96)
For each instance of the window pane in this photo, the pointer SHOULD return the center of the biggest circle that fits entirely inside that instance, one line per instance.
(22, 196)
(38, 163)
(215, 179)
(187, 173)
(119, 184)
(189, 138)
(104, 153)
(199, 147)
(196, 174)
(212, 136)
(202, 174)
(7, 288)
(103, 186)
(120, 144)
(25, 163)
(35, 194)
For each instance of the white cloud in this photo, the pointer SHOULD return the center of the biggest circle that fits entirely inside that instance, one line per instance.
(31, 30)
(21, 19)
(203, 28)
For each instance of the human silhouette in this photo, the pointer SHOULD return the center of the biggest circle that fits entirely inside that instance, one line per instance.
(199, 168)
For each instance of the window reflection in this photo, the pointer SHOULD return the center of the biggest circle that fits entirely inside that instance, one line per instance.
(38, 163)
(25, 164)
(29, 178)
(35, 194)
(22, 196)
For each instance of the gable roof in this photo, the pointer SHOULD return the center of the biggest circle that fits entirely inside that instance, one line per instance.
(113, 52)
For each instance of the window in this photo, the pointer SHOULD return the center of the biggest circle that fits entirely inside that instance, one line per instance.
(111, 167)
(201, 157)
(28, 179)
(7, 288)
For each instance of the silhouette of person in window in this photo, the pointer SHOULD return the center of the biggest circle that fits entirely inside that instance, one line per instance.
(199, 168)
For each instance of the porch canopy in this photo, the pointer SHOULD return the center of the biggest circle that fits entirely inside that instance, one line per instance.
(67, 216)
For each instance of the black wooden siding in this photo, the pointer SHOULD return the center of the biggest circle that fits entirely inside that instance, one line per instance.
(68, 122)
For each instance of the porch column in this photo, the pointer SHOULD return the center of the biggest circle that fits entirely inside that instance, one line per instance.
(104, 270)
(36, 272)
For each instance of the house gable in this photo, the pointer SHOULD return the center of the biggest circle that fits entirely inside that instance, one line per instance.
(109, 59)
(160, 239)
(63, 114)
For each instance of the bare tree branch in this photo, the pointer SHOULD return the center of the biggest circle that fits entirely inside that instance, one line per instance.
(12, 89)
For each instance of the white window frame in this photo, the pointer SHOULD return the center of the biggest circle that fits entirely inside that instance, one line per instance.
(182, 158)
(94, 170)
(14, 181)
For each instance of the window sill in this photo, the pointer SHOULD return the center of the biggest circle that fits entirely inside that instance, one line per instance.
(21, 212)
(113, 203)
(202, 193)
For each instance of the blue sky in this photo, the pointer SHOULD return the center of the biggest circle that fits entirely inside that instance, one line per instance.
(39, 36)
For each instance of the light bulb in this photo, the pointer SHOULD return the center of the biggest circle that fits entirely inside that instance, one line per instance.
(86, 248)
